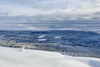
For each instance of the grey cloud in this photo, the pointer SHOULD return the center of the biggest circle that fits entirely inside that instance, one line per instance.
(97, 13)
(50, 18)
(49, 14)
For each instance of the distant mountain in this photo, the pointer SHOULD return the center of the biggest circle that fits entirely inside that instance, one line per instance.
(83, 43)
(69, 37)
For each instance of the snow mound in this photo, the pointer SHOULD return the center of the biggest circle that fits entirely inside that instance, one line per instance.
(12, 57)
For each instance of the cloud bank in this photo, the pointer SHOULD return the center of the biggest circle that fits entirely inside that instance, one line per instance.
(49, 14)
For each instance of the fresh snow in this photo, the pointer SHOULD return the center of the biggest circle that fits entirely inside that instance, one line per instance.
(42, 36)
(42, 39)
(57, 37)
(13, 57)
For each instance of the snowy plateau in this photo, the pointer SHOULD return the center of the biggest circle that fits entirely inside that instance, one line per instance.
(12, 57)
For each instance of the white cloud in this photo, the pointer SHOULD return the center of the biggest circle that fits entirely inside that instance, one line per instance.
(32, 8)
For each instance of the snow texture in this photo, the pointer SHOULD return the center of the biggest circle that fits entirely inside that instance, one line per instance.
(12, 57)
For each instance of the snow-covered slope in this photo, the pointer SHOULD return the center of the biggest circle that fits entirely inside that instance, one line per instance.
(12, 57)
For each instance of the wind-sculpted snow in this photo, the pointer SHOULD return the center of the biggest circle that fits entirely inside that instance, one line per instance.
(12, 57)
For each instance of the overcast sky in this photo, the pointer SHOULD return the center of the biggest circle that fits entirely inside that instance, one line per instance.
(49, 14)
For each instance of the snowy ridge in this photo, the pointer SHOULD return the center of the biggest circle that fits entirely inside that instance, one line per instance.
(11, 57)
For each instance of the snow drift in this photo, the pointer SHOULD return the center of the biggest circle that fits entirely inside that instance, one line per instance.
(12, 57)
